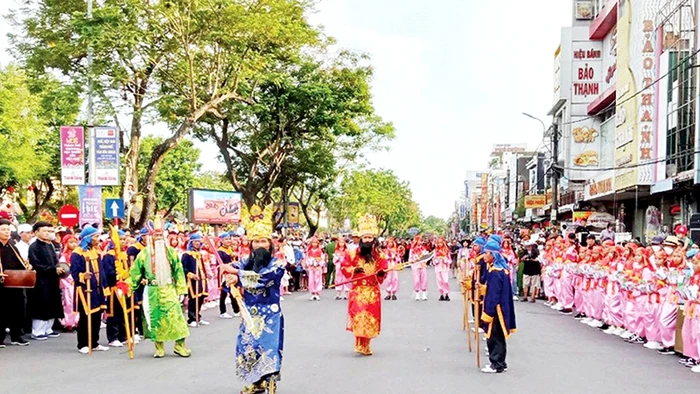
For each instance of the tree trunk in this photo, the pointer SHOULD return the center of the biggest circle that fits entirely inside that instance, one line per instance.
(131, 172)
(159, 152)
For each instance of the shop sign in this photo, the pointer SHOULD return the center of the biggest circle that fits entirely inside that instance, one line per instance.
(535, 201)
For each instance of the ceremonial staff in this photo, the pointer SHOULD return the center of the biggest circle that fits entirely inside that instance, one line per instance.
(122, 290)
(397, 267)
(476, 301)
(88, 312)
(197, 260)
(245, 315)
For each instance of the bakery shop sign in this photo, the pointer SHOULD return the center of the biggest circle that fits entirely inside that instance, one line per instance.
(600, 187)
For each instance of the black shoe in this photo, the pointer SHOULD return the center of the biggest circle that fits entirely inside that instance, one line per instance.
(387, 298)
(54, 335)
(442, 297)
(579, 316)
(447, 298)
(393, 298)
(19, 342)
(666, 351)
(604, 327)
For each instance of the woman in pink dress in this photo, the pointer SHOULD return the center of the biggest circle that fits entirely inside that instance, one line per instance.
(315, 265)
(70, 319)
(341, 250)
(691, 322)
(570, 260)
(442, 262)
(391, 282)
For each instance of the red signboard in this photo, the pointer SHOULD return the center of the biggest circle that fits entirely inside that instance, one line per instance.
(68, 215)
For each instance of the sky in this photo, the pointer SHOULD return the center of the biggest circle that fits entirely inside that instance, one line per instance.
(453, 76)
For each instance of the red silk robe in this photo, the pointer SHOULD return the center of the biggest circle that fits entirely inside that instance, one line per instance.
(364, 305)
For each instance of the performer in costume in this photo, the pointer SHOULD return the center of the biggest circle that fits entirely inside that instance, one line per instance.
(162, 275)
(393, 257)
(229, 256)
(116, 270)
(364, 306)
(419, 271)
(499, 312)
(315, 265)
(442, 262)
(196, 280)
(87, 271)
(137, 297)
(259, 347)
(341, 251)
(70, 319)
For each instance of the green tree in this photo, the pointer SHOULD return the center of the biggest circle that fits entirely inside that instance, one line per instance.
(434, 225)
(32, 109)
(178, 173)
(181, 58)
(302, 115)
(378, 192)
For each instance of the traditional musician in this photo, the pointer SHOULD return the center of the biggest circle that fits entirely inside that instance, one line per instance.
(162, 275)
(196, 280)
(368, 265)
(499, 313)
(11, 299)
(88, 274)
(260, 340)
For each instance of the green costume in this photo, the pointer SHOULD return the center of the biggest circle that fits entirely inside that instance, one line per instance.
(163, 319)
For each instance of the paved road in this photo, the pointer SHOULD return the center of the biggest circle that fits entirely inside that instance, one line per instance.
(421, 350)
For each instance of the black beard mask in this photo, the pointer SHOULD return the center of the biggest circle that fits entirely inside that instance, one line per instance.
(366, 250)
(260, 259)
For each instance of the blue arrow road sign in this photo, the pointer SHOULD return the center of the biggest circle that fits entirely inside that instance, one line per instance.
(114, 208)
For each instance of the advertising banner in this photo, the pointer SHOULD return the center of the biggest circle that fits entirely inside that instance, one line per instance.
(293, 214)
(72, 155)
(106, 156)
(90, 198)
(214, 206)
(536, 201)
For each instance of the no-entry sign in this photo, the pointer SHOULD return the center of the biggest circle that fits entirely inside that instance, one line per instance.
(68, 215)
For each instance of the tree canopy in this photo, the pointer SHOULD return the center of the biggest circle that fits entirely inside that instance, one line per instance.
(380, 193)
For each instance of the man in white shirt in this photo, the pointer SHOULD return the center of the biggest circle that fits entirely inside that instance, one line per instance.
(25, 234)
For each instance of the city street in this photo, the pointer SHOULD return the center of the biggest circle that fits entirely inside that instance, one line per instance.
(422, 349)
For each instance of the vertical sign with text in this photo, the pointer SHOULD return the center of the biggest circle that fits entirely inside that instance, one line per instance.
(106, 156)
(72, 155)
(90, 198)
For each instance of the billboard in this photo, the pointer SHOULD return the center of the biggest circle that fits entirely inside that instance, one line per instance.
(214, 206)
(90, 198)
(72, 155)
(535, 201)
(105, 154)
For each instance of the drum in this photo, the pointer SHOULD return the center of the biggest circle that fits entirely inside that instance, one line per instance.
(19, 279)
(66, 270)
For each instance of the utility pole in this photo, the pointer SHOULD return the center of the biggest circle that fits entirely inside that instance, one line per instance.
(90, 127)
(555, 170)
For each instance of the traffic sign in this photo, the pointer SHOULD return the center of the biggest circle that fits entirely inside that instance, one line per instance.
(69, 215)
(114, 208)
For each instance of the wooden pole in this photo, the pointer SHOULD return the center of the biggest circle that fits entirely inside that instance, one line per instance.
(196, 290)
(128, 327)
(477, 312)
(88, 312)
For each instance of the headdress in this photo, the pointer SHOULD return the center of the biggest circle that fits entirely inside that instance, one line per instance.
(367, 225)
(225, 235)
(494, 248)
(86, 237)
(497, 238)
(193, 237)
(480, 241)
(260, 224)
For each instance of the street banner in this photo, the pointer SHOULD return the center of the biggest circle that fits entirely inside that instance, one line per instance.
(484, 199)
(293, 214)
(90, 198)
(214, 206)
(72, 155)
(106, 156)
